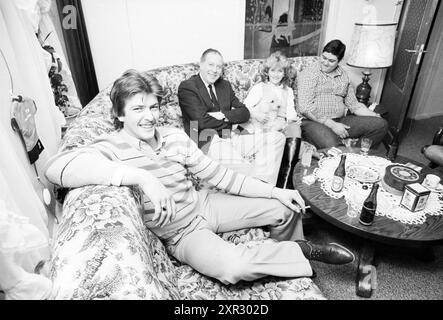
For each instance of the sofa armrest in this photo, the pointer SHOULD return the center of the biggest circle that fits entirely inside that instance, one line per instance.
(102, 250)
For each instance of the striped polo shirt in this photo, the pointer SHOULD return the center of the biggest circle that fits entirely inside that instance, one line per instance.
(175, 157)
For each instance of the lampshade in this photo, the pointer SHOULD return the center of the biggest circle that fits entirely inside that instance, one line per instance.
(372, 45)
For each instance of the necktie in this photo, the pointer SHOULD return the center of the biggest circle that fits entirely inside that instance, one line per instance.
(213, 98)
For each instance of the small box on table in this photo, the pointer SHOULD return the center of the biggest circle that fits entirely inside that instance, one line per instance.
(415, 197)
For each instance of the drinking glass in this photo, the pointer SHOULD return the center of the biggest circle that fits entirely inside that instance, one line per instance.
(350, 143)
(352, 213)
(365, 145)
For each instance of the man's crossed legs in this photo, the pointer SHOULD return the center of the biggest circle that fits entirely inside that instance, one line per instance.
(201, 248)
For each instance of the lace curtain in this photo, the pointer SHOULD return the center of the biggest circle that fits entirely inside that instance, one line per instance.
(22, 246)
(24, 58)
(37, 13)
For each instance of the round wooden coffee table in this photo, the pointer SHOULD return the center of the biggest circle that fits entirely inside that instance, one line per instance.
(383, 229)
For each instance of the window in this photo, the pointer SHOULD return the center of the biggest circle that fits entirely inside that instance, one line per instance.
(294, 27)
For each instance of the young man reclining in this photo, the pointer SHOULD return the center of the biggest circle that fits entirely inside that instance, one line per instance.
(158, 160)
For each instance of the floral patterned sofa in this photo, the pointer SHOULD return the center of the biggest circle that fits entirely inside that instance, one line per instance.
(102, 250)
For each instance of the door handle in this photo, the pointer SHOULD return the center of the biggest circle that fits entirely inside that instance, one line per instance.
(419, 52)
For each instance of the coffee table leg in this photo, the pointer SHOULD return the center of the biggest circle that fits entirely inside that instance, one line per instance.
(366, 273)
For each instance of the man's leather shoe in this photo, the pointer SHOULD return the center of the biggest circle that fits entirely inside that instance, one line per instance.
(332, 253)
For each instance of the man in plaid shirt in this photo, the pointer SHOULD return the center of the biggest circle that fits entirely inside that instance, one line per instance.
(325, 95)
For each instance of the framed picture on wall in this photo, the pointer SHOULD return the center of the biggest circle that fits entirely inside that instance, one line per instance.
(294, 27)
(259, 14)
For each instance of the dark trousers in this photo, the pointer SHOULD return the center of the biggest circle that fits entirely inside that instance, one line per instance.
(321, 136)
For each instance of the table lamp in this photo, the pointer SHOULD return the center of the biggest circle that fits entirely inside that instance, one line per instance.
(372, 47)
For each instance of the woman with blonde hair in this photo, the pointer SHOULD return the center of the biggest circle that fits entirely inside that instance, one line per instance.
(271, 105)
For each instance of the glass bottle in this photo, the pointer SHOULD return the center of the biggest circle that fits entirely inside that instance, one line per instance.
(369, 207)
(339, 175)
(392, 150)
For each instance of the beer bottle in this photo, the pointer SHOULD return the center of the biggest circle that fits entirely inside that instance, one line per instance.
(369, 207)
(339, 175)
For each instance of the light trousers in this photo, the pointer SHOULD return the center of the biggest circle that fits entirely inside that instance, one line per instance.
(202, 249)
(257, 155)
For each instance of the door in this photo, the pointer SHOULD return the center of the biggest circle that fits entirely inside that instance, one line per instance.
(412, 37)
(427, 98)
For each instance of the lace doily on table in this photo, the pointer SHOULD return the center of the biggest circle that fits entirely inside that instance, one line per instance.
(388, 204)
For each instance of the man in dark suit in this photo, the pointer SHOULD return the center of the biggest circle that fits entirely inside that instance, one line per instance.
(211, 113)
